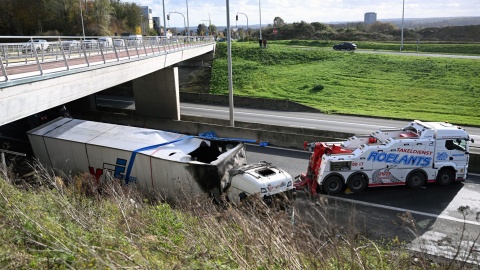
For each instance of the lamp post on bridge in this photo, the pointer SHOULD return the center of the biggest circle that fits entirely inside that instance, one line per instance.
(81, 16)
(188, 23)
(245, 16)
(168, 18)
(209, 25)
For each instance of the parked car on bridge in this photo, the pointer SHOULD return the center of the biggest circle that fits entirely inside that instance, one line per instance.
(90, 43)
(118, 42)
(135, 40)
(153, 41)
(105, 42)
(71, 45)
(36, 44)
(349, 46)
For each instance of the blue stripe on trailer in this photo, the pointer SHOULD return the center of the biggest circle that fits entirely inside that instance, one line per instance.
(211, 135)
(134, 154)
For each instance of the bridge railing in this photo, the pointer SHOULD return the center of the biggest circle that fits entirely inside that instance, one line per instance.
(22, 57)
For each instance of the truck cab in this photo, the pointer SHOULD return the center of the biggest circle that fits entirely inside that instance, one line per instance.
(451, 152)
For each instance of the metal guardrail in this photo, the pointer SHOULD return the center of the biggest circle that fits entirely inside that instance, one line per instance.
(22, 57)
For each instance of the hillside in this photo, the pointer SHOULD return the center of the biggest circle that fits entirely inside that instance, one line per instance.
(418, 23)
(390, 86)
(451, 33)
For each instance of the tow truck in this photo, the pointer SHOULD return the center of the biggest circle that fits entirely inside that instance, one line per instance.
(419, 153)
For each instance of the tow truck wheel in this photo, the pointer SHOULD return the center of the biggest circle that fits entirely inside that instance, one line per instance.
(333, 184)
(445, 177)
(416, 179)
(357, 183)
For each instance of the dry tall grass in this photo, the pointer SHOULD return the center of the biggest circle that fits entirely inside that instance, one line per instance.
(58, 221)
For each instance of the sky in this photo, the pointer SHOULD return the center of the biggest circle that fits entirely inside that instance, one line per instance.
(325, 11)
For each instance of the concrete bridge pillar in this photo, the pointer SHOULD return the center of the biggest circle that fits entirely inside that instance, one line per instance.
(157, 94)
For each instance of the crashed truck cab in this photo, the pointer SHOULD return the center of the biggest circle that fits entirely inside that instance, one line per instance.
(262, 179)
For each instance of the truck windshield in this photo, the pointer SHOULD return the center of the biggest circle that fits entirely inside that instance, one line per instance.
(456, 144)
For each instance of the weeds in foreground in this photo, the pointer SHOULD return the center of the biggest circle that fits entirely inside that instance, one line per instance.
(76, 222)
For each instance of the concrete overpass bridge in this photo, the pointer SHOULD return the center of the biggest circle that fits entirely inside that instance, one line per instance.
(36, 75)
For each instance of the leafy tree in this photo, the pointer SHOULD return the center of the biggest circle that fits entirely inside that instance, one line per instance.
(133, 16)
(21, 17)
(202, 29)
(380, 27)
(100, 17)
(320, 26)
(304, 29)
(214, 29)
(278, 22)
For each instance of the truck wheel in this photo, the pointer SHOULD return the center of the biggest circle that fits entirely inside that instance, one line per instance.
(357, 183)
(445, 177)
(333, 184)
(416, 179)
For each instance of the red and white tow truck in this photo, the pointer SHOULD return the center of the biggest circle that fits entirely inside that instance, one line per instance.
(418, 153)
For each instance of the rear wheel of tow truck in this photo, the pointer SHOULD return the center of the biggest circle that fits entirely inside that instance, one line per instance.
(333, 184)
(416, 179)
(445, 177)
(357, 182)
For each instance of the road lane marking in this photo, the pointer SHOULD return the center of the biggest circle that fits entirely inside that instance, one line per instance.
(291, 118)
(405, 210)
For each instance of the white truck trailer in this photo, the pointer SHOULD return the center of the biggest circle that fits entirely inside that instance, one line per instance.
(418, 153)
(171, 164)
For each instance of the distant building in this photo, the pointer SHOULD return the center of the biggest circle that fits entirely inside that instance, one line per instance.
(370, 17)
(156, 26)
(147, 19)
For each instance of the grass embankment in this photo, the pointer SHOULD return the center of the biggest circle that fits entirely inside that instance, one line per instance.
(393, 86)
(60, 224)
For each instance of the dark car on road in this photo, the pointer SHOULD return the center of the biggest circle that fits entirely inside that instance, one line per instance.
(349, 46)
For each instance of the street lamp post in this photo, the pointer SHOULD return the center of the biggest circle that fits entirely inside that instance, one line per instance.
(188, 23)
(260, 11)
(208, 22)
(164, 20)
(230, 77)
(81, 16)
(247, 19)
(403, 13)
(168, 17)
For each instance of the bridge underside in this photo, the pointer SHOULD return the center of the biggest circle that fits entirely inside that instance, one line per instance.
(155, 86)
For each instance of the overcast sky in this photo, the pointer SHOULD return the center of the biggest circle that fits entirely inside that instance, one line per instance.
(304, 10)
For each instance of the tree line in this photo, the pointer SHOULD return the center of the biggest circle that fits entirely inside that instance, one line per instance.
(358, 31)
(63, 17)
(110, 17)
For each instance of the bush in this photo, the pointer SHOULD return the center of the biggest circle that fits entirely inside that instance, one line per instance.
(318, 87)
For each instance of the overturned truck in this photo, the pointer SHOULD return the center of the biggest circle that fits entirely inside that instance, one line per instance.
(169, 163)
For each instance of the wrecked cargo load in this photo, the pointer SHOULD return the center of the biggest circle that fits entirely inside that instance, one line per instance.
(171, 164)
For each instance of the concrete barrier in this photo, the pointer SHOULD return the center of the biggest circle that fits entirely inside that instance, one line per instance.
(288, 137)
(246, 102)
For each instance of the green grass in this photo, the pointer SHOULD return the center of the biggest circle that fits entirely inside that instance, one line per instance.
(392, 86)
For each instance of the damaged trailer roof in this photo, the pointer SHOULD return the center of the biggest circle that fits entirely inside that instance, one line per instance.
(125, 138)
